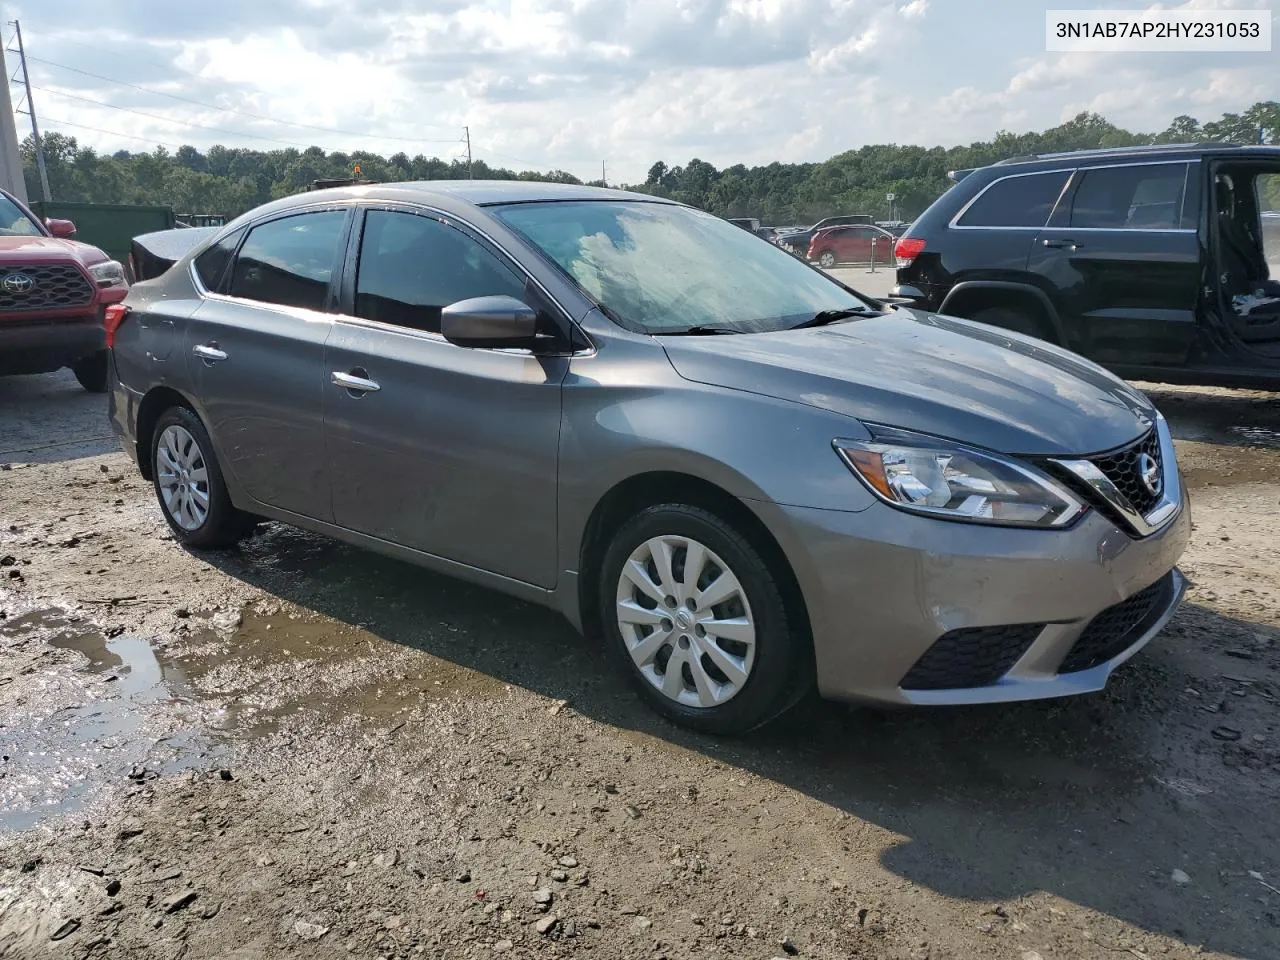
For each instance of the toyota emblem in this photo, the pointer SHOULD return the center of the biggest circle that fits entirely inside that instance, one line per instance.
(1149, 473)
(18, 283)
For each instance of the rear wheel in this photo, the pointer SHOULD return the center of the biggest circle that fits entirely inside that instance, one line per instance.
(91, 372)
(699, 621)
(189, 485)
(826, 259)
(1015, 320)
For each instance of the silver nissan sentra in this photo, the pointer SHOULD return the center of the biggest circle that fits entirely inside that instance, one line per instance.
(748, 479)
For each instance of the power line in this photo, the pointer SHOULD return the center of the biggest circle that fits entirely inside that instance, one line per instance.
(169, 120)
(112, 133)
(242, 113)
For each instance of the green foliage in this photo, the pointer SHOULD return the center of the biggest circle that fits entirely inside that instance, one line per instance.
(230, 180)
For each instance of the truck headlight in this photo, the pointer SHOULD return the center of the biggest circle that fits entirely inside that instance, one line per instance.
(109, 273)
(924, 474)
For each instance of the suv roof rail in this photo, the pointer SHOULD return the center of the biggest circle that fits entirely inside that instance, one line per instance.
(1111, 151)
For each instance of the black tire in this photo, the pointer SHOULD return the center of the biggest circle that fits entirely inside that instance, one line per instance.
(826, 259)
(223, 525)
(782, 672)
(91, 372)
(1015, 320)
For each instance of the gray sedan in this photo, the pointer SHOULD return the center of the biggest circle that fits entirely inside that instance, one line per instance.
(745, 477)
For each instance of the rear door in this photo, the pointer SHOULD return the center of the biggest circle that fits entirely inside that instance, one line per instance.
(1123, 258)
(448, 450)
(255, 351)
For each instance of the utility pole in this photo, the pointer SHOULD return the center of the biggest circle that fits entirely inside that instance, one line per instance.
(31, 112)
(467, 131)
(603, 182)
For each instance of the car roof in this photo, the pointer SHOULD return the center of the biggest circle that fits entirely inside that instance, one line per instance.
(477, 192)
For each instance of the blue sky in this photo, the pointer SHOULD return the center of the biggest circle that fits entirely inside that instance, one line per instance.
(571, 83)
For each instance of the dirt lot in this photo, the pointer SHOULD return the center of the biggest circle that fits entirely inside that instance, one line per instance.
(303, 750)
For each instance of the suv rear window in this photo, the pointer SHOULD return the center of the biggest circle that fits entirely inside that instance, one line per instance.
(1144, 197)
(1023, 200)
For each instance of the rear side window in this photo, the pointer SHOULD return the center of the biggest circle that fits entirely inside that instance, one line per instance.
(412, 266)
(290, 261)
(211, 266)
(1019, 201)
(1147, 197)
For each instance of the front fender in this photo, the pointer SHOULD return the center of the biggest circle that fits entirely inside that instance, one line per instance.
(628, 413)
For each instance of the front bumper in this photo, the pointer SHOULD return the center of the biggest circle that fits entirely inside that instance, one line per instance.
(882, 587)
(46, 345)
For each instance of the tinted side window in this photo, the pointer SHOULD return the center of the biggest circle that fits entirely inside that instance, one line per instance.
(211, 266)
(290, 261)
(1021, 201)
(1130, 198)
(412, 266)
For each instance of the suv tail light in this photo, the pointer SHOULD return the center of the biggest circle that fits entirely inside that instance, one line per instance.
(111, 320)
(907, 249)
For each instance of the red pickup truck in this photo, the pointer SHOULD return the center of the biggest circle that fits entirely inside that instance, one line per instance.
(53, 292)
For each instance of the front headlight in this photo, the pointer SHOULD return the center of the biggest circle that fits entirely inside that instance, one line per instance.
(109, 273)
(936, 477)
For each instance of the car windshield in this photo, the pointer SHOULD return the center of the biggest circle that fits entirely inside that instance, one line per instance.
(664, 269)
(15, 223)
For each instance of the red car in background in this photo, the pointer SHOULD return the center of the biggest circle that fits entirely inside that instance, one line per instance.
(851, 244)
(53, 294)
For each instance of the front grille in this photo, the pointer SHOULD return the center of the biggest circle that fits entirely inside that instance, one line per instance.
(43, 286)
(1122, 469)
(971, 657)
(1117, 628)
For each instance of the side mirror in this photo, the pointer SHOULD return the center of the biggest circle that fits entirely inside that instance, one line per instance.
(64, 229)
(489, 322)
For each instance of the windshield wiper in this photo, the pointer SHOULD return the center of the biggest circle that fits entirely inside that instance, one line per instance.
(823, 317)
(698, 330)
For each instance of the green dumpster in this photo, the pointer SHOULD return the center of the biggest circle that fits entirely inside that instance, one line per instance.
(109, 226)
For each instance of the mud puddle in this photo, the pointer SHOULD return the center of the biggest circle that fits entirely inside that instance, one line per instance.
(70, 729)
(1239, 418)
(1209, 465)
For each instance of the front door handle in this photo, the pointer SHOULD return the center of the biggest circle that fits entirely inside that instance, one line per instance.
(350, 381)
(1057, 244)
(209, 352)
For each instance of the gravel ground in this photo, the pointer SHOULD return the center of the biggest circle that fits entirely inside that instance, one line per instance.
(299, 749)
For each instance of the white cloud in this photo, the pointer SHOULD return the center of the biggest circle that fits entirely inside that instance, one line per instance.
(566, 83)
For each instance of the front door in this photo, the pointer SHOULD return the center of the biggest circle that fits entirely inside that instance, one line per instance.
(1123, 255)
(255, 350)
(444, 449)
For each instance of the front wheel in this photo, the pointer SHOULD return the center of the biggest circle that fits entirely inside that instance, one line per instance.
(699, 621)
(826, 259)
(189, 484)
(1014, 320)
(91, 372)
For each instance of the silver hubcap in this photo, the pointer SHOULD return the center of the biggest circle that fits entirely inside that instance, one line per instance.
(828, 260)
(686, 621)
(183, 478)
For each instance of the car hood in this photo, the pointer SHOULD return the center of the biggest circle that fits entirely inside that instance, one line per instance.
(43, 249)
(934, 374)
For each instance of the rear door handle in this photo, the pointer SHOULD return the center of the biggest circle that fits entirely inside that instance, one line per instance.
(1069, 244)
(209, 351)
(350, 381)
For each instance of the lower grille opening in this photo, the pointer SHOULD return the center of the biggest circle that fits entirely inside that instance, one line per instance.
(971, 657)
(1117, 628)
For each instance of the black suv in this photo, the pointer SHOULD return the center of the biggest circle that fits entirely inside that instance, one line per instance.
(1157, 262)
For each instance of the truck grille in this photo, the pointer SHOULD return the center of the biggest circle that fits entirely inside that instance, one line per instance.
(43, 286)
(1117, 628)
(971, 657)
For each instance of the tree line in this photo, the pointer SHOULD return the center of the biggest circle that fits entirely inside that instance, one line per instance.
(229, 180)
